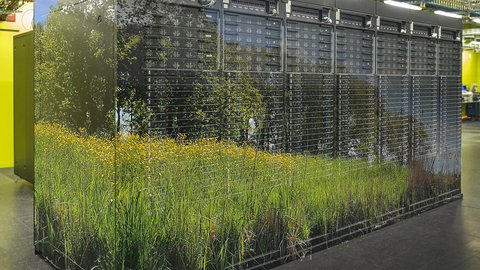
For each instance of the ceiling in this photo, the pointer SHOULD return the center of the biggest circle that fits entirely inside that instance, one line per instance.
(468, 9)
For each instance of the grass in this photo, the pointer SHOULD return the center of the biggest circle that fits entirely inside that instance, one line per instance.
(151, 203)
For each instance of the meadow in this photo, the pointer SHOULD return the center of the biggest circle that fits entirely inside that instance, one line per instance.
(139, 202)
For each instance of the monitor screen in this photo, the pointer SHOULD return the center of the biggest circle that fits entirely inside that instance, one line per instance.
(474, 88)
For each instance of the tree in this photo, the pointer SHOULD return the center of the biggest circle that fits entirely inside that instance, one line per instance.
(74, 66)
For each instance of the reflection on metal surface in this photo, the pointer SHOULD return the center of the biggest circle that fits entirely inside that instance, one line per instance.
(229, 134)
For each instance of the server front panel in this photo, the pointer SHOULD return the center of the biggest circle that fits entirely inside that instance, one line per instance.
(393, 91)
(450, 49)
(337, 83)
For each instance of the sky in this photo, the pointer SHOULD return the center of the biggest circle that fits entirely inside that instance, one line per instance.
(41, 9)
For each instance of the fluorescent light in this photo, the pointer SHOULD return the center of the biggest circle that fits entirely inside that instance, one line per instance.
(402, 5)
(443, 13)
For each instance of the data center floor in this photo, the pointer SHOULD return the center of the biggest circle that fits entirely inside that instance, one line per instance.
(447, 237)
(16, 224)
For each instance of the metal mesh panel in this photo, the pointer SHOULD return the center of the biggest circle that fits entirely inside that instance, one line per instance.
(245, 131)
(393, 117)
(425, 115)
(393, 95)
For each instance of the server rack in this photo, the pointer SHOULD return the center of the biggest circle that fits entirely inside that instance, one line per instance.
(424, 89)
(253, 40)
(344, 79)
(354, 79)
(340, 79)
(356, 98)
(450, 81)
(393, 83)
(181, 54)
(310, 80)
(325, 70)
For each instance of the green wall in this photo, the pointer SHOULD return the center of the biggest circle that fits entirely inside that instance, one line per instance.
(7, 31)
(23, 106)
(6, 94)
(470, 68)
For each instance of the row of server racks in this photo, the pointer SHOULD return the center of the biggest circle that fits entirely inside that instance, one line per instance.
(344, 78)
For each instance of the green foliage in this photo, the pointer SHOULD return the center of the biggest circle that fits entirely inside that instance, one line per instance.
(209, 193)
(152, 203)
(225, 106)
(73, 67)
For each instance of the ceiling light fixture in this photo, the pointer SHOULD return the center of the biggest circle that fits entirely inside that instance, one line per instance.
(402, 5)
(443, 13)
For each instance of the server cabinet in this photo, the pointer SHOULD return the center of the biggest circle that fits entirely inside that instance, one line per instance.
(181, 54)
(269, 128)
(392, 47)
(356, 108)
(253, 65)
(310, 80)
(23, 106)
(450, 49)
(304, 58)
(424, 90)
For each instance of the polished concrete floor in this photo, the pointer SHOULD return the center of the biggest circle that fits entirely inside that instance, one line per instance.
(16, 224)
(447, 237)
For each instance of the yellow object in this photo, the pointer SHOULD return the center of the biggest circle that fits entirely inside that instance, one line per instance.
(470, 68)
(6, 96)
(7, 31)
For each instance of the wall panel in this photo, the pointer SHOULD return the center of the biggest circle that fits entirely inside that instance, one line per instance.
(247, 132)
(23, 106)
(75, 127)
